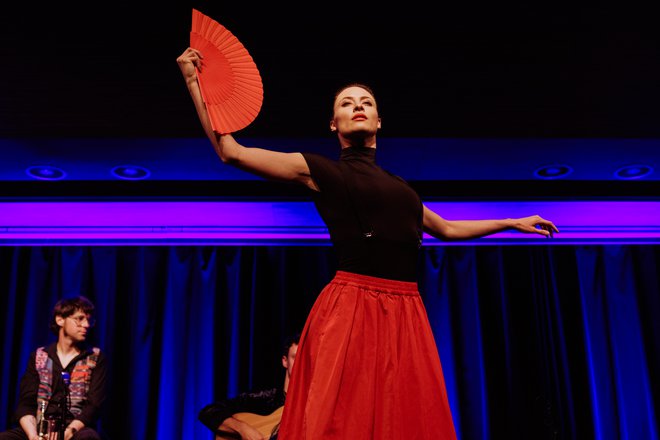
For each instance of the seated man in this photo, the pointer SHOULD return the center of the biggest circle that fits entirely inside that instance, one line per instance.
(223, 417)
(63, 382)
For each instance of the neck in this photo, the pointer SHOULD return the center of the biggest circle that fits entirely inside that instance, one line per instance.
(357, 141)
(66, 346)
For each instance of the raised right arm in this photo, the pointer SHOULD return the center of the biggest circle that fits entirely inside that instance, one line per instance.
(265, 163)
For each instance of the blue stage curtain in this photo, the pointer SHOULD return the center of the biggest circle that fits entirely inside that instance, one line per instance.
(543, 342)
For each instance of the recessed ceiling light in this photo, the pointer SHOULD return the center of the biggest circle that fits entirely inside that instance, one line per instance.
(45, 172)
(130, 172)
(553, 171)
(633, 172)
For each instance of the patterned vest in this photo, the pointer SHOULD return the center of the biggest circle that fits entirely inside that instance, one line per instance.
(80, 379)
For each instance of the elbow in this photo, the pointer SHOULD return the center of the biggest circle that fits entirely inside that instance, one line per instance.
(450, 238)
(445, 233)
(228, 159)
(227, 155)
(455, 233)
(228, 149)
(446, 237)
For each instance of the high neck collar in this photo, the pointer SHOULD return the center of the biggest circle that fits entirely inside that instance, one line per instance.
(357, 153)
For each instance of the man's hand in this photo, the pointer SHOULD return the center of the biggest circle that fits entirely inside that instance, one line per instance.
(246, 431)
(74, 426)
(249, 433)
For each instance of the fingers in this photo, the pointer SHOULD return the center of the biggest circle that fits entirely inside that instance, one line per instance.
(542, 226)
(195, 51)
(547, 228)
(194, 55)
(191, 55)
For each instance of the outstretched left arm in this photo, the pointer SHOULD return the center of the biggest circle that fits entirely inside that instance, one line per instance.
(467, 229)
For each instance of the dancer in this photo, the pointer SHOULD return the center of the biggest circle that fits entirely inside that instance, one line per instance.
(367, 364)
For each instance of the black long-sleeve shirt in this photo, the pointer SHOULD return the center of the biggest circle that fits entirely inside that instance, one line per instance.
(366, 198)
(29, 387)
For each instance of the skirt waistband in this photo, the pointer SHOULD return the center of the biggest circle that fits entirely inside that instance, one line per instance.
(376, 283)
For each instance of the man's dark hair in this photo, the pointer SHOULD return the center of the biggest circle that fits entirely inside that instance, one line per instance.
(67, 307)
(293, 339)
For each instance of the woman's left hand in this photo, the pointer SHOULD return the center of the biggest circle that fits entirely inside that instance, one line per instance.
(534, 224)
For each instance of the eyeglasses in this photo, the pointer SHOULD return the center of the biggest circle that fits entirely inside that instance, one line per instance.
(79, 319)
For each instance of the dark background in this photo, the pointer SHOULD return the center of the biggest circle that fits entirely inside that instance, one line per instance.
(538, 72)
(525, 70)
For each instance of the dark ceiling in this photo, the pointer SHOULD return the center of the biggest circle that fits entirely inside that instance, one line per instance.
(522, 70)
(474, 98)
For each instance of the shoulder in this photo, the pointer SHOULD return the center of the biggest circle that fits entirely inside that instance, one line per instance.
(318, 159)
(40, 354)
(396, 176)
(40, 358)
(319, 164)
(262, 394)
(45, 351)
(324, 171)
(401, 179)
(95, 354)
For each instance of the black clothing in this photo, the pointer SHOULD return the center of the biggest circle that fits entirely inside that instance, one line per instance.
(29, 386)
(258, 402)
(19, 434)
(366, 199)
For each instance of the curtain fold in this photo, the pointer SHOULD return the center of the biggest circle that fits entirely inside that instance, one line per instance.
(618, 367)
(543, 342)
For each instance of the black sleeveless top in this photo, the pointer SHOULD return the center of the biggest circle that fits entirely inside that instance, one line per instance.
(374, 217)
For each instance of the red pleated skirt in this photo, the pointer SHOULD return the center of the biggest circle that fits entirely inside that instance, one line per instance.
(367, 367)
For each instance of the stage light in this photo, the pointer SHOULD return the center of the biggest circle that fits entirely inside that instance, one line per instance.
(557, 171)
(633, 172)
(45, 172)
(130, 172)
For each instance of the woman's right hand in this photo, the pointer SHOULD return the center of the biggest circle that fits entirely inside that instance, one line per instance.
(188, 61)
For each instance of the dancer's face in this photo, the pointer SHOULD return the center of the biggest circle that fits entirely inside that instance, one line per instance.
(355, 113)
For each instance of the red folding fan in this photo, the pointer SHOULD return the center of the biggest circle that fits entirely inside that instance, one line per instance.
(229, 79)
